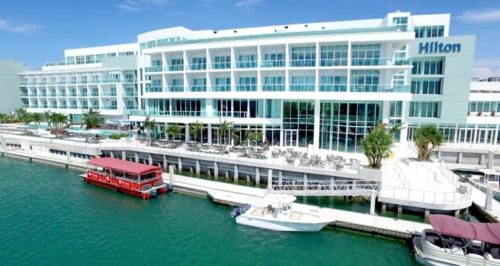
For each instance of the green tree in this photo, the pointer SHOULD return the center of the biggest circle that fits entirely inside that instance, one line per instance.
(149, 125)
(196, 129)
(20, 112)
(225, 128)
(4, 118)
(253, 137)
(37, 118)
(377, 145)
(426, 138)
(174, 131)
(25, 118)
(92, 119)
(56, 121)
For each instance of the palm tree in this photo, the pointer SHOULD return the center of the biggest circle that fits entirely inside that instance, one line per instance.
(196, 129)
(224, 128)
(56, 121)
(25, 118)
(376, 145)
(92, 119)
(4, 118)
(427, 138)
(174, 131)
(37, 119)
(149, 125)
(20, 112)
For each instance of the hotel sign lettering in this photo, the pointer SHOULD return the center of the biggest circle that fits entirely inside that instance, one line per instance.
(438, 47)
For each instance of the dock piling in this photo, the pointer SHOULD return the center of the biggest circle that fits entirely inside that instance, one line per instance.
(171, 174)
(270, 179)
(235, 173)
(489, 198)
(216, 171)
(257, 176)
(373, 198)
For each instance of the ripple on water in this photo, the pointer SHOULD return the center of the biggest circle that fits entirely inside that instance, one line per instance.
(49, 216)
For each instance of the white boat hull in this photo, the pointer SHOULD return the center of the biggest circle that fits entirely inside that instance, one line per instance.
(280, 225)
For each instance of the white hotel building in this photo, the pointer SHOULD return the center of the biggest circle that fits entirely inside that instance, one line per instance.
(323, 85)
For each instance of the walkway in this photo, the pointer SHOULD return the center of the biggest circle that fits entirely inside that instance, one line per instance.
(426, 185)
(479, 198)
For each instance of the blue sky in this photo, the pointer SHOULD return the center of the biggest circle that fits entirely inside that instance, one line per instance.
(35, 32)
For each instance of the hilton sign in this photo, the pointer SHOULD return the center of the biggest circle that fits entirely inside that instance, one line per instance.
(438, 47)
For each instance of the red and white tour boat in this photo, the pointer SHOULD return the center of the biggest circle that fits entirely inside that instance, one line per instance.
(141, 180)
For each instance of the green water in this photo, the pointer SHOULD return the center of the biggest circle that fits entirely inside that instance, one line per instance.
(49, 216)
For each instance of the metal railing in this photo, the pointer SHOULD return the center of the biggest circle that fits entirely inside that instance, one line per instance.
(459, 197)
(326, 187)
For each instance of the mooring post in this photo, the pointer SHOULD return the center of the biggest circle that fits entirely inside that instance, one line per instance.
(197, 167)
(136, 157)
(150, 157)
(171, 174)
(124, 155)
(165, 162)
(489, 198)
(280, 177)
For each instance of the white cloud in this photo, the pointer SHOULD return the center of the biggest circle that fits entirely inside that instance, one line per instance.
(19, 27)
(480, 16)
(247, 3)
(139, 5)
(486, 67)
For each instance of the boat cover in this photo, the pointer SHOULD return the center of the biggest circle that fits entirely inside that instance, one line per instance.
(125, 166)
(448, 225)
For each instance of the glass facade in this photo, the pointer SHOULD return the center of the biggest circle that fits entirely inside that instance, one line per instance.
(335, 55)
(298, 123)
(425, 109)
(333, 83)
(303, 56)
(303, 83)
(429, 31)
(365, 54)
(275, 83)
(426, 86)
(365, 80)
(427, 66)
(344, 124)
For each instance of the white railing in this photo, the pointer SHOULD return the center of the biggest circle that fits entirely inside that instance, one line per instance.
(462, 196)
(326, 187)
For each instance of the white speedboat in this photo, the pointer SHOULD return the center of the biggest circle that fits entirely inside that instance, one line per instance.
(456, 242)
(278, 213)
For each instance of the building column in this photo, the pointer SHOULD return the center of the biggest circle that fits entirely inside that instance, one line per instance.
(317, 114)
(257, 176)
(373, 199)
(179, 165)
(235, 173)
(209, 131)
(491, 159)
(270, 179)
(216, 171)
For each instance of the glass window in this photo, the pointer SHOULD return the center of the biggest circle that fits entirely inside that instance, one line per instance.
(335, 55)
(304, 56)
(365, 54)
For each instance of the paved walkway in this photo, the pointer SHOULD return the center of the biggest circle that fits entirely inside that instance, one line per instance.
(479, 198)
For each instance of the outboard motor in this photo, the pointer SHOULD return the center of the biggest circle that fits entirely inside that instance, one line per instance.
(240, 210)
(170, 188)
(154, 193)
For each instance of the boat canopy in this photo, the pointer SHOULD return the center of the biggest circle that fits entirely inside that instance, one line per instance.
(447, 225)
(124, 166)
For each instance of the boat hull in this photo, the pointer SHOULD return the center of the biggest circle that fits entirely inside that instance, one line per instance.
(136, 193)
(280, 225)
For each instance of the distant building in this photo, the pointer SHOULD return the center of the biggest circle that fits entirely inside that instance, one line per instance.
(9, 82)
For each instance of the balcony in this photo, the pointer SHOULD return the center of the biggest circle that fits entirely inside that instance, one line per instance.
(380, 61)
(247, 87)
(129, 80)
(176, 68)
(108, 94)
(43, 94)
(333, 62)
(176, 88)
(61, 95)
(273, 87)
(154, 89)
(332, 87)
(94, 94)
(23, 94)
(246, 64)
(83, 94)
(111, 80)
(221, 88)
(199, 66)
(273, 63)
(130, 94)
(109, 107)
(153, 69)
(303, 63)
(221, 65)
(380, 88)
(198, 88)
(73, 94)
(302, 87)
